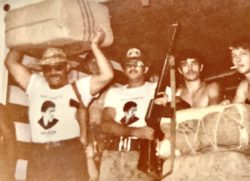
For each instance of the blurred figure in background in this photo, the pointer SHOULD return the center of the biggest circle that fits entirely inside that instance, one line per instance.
(96, 137)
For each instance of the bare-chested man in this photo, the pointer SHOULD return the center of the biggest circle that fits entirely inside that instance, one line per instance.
(194, 91)
(240, 51)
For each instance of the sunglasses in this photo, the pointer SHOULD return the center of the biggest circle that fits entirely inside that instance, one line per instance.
(49, 68)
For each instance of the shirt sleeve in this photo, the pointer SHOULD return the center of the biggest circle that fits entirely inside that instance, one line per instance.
(83, 86)
(108, 100)
(35, 80)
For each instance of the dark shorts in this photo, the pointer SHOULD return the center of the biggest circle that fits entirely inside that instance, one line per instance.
(61, 161)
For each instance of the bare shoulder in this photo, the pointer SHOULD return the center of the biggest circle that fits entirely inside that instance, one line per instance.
(213, 85)
(243, 86)
(180, 90)
(244, 83)
(213, 90)
(241, 92)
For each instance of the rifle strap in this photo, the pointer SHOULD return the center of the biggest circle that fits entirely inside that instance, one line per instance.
(84, 116)
(92, 168)
(78, 95)
(81, 116)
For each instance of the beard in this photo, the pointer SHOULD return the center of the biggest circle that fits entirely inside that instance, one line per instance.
(56, 81)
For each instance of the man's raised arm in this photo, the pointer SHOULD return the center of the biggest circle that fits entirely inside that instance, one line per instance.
(20, 73)
(106, 74)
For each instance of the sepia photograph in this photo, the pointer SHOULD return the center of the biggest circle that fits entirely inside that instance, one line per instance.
(124, 90)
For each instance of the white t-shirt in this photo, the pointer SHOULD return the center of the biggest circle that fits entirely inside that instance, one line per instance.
(64, 125)
(132, 102)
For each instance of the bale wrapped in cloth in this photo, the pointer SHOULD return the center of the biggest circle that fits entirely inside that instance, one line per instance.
(68, 24)
(214, 128)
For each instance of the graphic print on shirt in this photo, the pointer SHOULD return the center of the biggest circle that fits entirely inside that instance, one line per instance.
(48, 120)
(129, 110)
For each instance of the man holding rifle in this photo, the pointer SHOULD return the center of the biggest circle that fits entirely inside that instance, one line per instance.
(121, 106)
(194, 93)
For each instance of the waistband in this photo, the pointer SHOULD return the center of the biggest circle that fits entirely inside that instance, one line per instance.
(122, 144)
(58, 144)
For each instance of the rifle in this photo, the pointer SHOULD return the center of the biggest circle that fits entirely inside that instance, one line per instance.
(148, 160)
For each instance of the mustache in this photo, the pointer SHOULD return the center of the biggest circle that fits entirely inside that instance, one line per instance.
(54, 76)
(191, 72)
(133, 71)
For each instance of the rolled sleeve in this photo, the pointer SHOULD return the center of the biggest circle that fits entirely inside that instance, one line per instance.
(34, 79)
(83, 86)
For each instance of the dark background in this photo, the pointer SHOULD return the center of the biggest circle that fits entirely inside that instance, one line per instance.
(208, 26)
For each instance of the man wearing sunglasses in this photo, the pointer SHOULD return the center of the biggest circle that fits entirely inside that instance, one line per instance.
(58, 154)
(126, 134)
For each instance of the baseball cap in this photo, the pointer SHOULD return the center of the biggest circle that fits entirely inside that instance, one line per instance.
(134, 54)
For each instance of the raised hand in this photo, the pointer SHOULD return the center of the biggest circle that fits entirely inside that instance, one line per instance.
(99, 36)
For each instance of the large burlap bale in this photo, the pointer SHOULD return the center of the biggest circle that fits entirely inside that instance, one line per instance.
(212, 128)
(62, 23)
(212, 166)
(121, 166)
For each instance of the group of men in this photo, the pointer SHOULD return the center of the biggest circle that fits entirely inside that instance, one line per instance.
(58, 153)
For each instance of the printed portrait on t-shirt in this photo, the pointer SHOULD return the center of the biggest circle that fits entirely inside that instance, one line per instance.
(48, 120)
(129, 110)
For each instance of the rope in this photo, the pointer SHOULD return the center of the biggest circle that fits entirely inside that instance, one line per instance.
(197, 130)
(243, 132)
(206, 133)
(188, 142)
(216, 129)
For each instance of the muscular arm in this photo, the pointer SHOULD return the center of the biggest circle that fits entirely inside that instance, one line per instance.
(106, 74)
(214, 92)
(109, 126)
(241, 92)
(20, 73)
